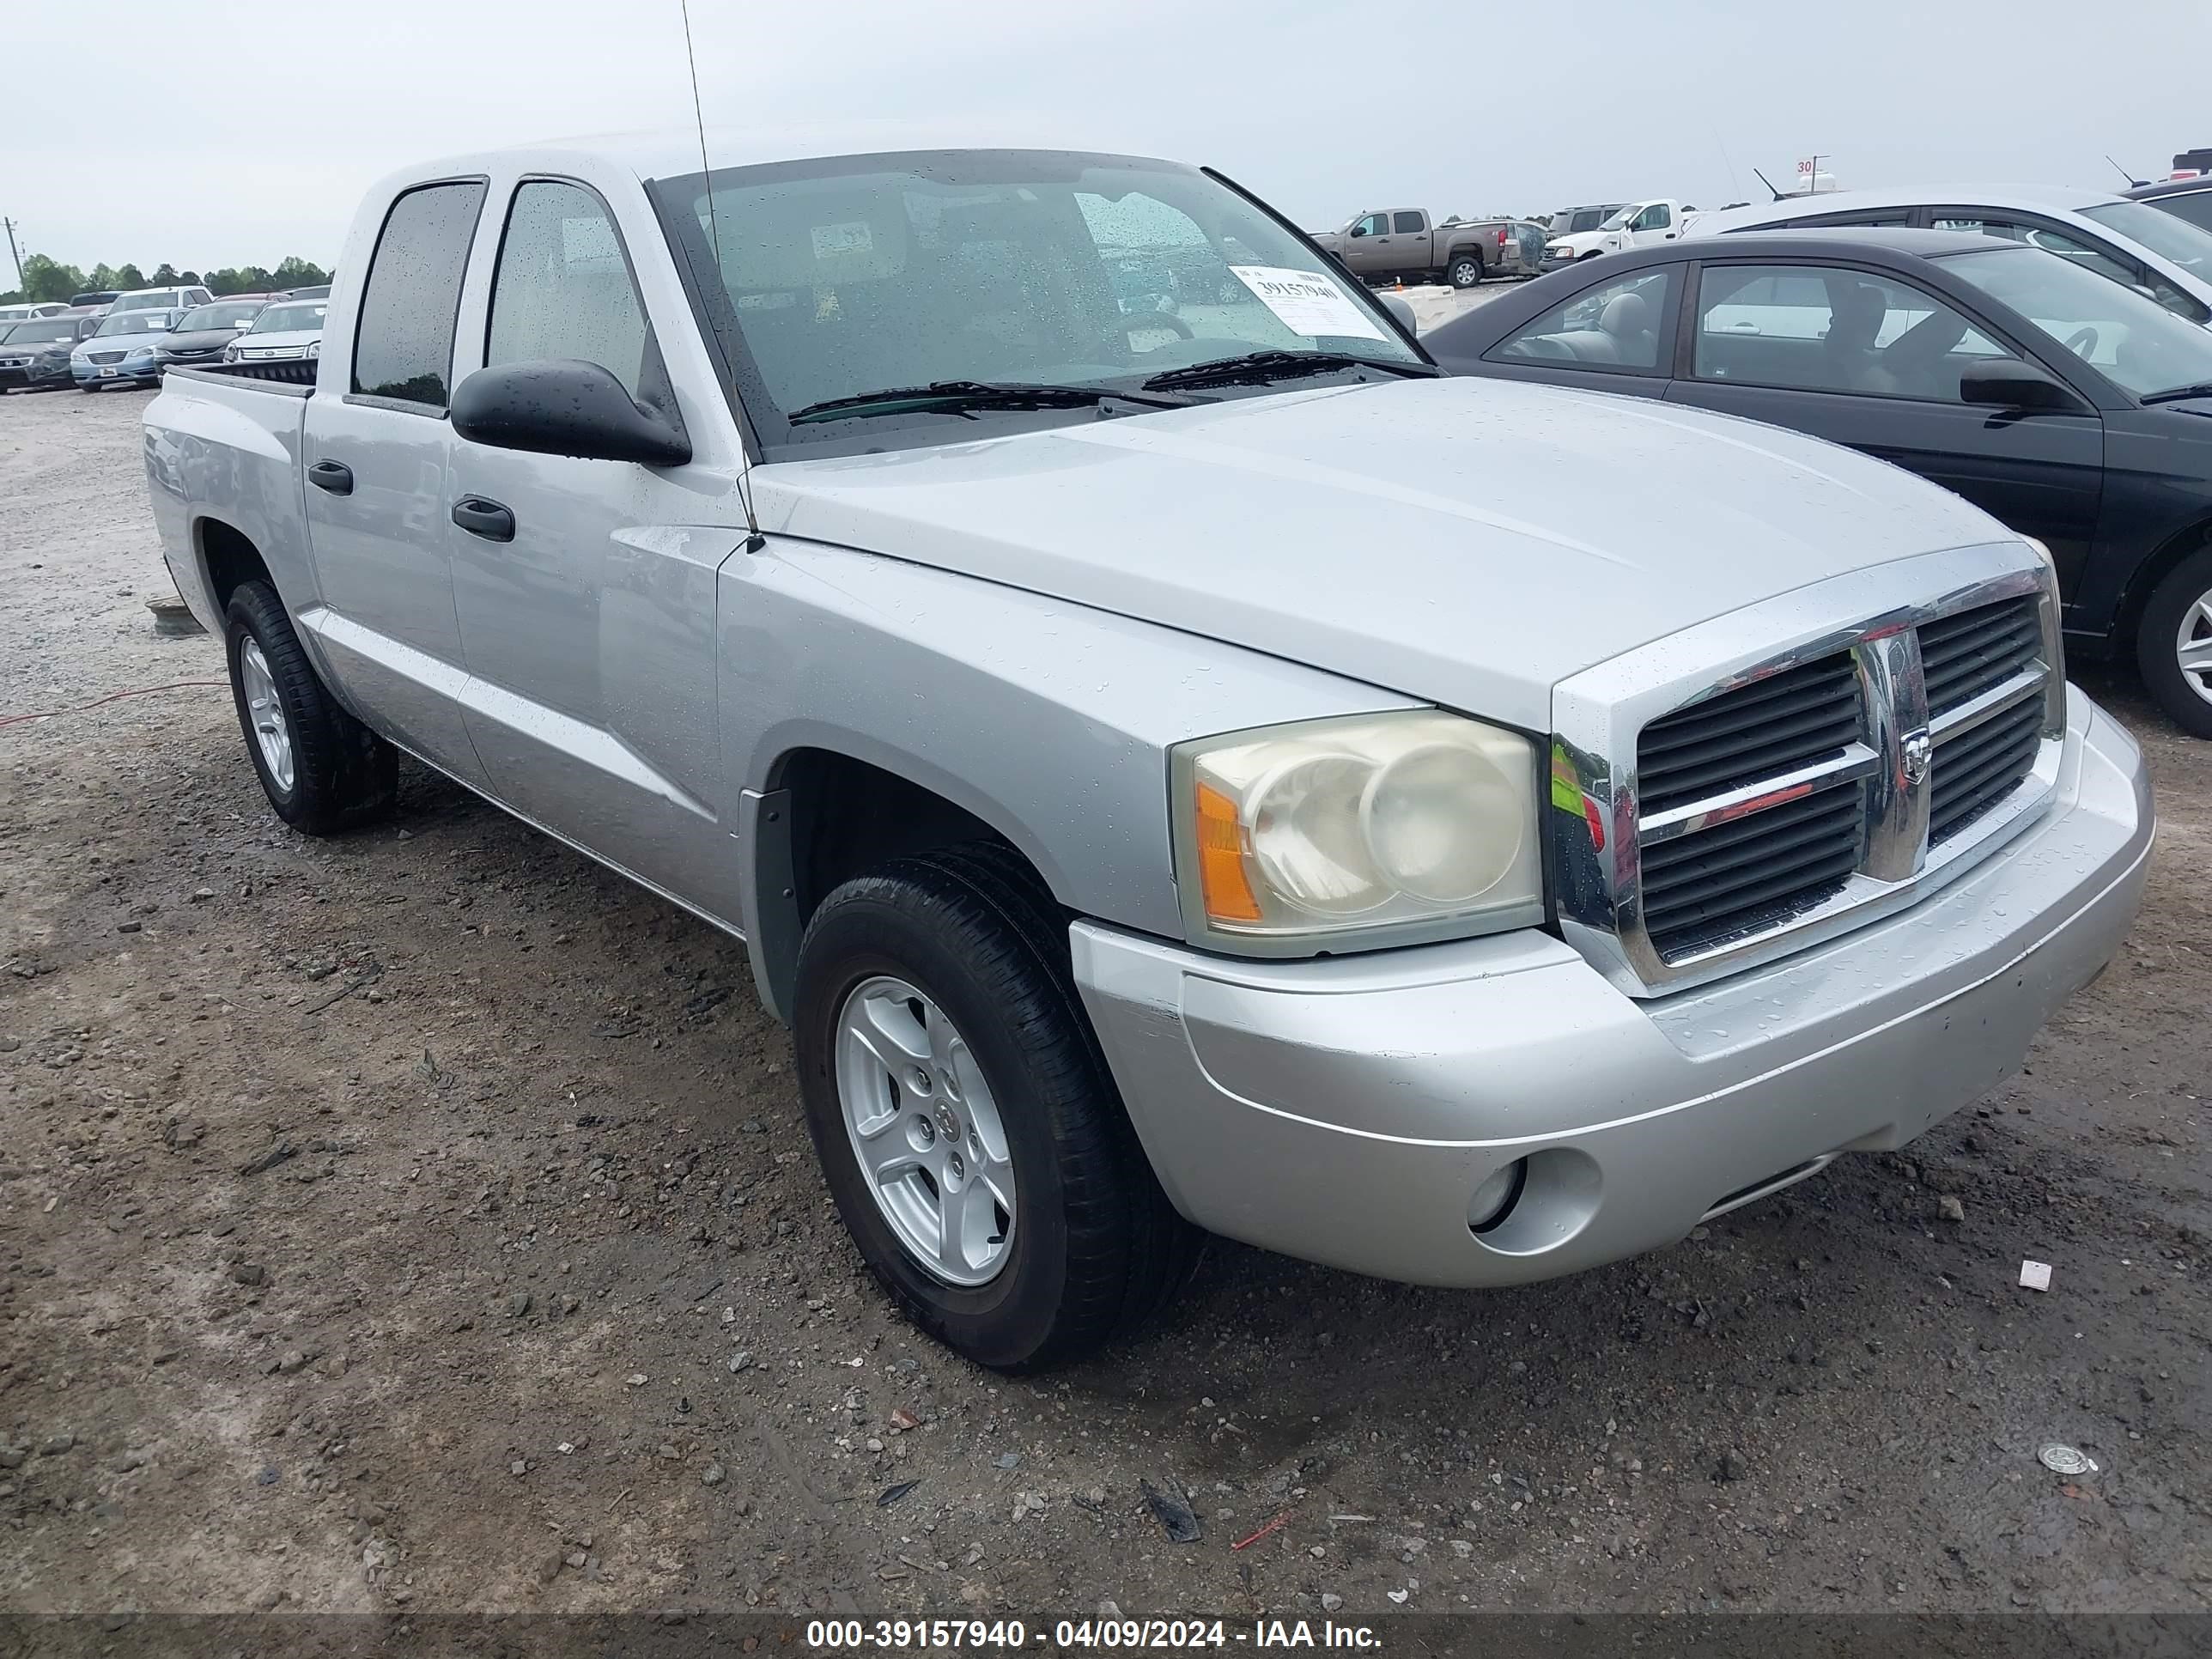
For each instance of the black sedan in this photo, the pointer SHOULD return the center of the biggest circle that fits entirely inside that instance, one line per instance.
(2070, 407)
(36, 353)
(202, 334)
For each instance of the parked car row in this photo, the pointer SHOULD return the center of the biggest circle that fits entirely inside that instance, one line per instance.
(139, 336)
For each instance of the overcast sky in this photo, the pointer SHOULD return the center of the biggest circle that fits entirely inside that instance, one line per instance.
(217, 133)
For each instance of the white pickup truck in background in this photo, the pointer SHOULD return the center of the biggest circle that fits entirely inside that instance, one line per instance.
(1638, 224)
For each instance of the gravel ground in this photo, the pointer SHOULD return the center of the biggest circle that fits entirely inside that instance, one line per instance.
(425, 1218)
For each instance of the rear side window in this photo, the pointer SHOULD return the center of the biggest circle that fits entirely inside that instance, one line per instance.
(1406, 224)
(563, 289)
(1616, 327)
(402, 346)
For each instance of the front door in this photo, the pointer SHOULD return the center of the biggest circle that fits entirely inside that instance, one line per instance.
(374, 451)
(1367, 248)
(1656, 223)
(1862, 358)
(586, 588)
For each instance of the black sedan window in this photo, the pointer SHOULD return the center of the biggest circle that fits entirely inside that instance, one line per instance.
(1824, 328)
(1615, 326)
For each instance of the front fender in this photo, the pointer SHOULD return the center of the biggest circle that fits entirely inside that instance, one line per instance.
(1049, 721)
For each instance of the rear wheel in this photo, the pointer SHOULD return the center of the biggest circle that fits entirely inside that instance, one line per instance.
(967, 1126)
(2173, 646)
(322, 770)
(1466, 271)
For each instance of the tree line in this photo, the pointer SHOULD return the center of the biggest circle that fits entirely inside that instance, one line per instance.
(47, 279)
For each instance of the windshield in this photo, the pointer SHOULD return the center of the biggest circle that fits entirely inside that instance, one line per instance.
(38, 333)
(159, 299)
(2187, 245)
(2137, 341)
(1621, 216)
(861, 274)
(217, 316)
(134, 322)
(103, 298)
(290, 319)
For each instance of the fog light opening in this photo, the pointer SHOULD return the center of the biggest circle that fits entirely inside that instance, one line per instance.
(1494, 1199)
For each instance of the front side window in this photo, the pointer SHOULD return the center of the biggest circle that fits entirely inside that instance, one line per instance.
(1375, 224)
(563, 289)
(1823, 328)
(403, 344)
(1407, 224)
(851, 275)
(1657, 217)
(2137, 342)
(1615, 326)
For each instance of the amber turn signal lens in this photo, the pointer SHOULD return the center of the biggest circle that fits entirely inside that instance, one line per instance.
(1221, 875)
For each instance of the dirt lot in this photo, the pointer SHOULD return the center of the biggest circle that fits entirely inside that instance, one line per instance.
(425, 1218)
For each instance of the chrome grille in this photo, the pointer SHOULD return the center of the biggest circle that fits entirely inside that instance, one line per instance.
(1789, 720)
(1736, 865)
(1983, 669)
(104, 356)
(1751, 873)
(1799, 793)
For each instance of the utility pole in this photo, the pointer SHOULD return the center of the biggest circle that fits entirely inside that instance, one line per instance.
(12, 252)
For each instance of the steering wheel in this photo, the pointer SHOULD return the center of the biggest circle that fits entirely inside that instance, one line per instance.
(1130, 322)
(2083, 341)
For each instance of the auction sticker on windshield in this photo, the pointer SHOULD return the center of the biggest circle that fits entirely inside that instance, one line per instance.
(1307, 302)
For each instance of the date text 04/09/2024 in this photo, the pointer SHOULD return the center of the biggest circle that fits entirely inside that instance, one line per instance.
(1011, 1635)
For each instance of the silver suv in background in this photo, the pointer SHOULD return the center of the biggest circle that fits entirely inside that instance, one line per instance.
(1174, 770)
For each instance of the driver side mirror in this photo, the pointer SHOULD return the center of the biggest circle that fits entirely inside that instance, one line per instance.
(562, 406)
(2009, 384)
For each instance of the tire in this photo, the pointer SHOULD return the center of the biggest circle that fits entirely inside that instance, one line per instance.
(1090, 1248)
(1466, 270)
(341, 773)
(2182, 599)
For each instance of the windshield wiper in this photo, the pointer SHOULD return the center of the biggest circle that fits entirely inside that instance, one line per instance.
(965, 396)
(1261, 366)
(2176, 393)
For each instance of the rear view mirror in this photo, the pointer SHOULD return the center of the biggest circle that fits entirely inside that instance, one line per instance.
(2009, 384)
(561, 406)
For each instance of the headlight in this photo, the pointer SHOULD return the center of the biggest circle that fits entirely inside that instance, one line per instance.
(142, 352)
(1412, 824)
(314, 348)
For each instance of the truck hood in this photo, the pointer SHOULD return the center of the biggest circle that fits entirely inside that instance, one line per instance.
(1466, 541)
(1583, 242)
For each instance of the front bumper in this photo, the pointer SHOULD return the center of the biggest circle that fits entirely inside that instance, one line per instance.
(35, 374)
(1345, 1110)
(143, 371)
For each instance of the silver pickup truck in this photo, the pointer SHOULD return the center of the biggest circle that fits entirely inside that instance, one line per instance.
(1174, 770)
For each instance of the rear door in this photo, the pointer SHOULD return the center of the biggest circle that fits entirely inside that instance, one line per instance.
(1863, 357)
(1416, 244)
(586, 588)
(375, 451)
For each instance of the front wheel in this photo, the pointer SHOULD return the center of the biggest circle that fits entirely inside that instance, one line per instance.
(1466, 271)
(2173, 646)
(966, 1123)
(322, 770)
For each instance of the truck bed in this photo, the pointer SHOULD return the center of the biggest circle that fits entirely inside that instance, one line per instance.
(223, 444)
